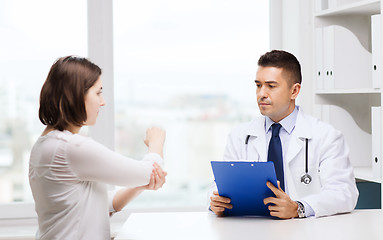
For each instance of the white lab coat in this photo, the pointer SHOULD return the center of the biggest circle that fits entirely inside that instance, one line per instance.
(332, 189)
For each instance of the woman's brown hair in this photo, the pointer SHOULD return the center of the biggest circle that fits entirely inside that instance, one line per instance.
(62, 97)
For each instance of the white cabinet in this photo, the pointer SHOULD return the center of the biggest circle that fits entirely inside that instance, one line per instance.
(319, 74)
(376, 51)
(376, 144)
(344, 58)
(347, 71)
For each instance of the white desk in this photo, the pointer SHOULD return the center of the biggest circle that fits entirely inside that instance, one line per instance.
(358, 225)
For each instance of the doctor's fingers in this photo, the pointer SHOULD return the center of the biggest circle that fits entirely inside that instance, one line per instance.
(275, 208)
(272, 200)
(277, 191)
(218, 210)
(219, 206)
(281, 212)
(217, 198)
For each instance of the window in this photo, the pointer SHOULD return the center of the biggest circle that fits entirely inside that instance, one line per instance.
(34, 34)
(187, 66)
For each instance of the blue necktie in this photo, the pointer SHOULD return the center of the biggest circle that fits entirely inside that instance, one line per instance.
(275, 153)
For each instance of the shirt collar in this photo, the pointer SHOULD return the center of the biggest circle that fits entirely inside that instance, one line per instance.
(288, 123)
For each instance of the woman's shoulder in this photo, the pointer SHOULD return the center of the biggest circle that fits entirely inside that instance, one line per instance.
(80, 143)
(67, 138)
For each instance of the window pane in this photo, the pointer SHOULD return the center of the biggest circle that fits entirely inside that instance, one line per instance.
(33, 35)
(189, 67)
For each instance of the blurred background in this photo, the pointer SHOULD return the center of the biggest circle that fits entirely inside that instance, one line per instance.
(185, 66)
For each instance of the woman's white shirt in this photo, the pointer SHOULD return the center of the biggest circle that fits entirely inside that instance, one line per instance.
(68, 174)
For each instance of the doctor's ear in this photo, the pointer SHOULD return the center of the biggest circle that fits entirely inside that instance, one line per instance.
(295, 89)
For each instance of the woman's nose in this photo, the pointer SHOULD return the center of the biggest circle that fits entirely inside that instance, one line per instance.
(102, 101)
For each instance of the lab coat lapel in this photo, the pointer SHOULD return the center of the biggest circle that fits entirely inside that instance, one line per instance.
(301, 132)
(258, 145)
(295, 146)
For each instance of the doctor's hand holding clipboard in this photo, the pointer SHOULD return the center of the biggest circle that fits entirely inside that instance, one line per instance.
(280, 206)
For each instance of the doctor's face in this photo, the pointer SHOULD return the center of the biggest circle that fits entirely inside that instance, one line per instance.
(275, 94)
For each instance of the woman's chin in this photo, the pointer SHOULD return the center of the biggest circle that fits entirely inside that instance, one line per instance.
(89, 124)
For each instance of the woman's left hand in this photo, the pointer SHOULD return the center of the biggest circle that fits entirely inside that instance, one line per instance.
(157, 178)
(125, 195)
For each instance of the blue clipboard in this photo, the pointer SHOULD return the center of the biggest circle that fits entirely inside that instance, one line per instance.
(245, 184)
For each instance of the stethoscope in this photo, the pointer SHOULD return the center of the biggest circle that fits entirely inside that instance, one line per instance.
(306, 178)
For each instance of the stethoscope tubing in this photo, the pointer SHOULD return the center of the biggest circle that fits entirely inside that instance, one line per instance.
(307, 156)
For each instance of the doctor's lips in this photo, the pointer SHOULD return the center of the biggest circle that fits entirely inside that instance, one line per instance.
(263, 102)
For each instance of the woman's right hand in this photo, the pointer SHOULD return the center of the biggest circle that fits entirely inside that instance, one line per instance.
(155, 139)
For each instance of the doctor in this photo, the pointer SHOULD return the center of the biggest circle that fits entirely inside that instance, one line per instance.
(315, 177)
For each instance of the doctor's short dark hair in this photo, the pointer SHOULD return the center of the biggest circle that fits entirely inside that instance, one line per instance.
(62, 97)
(285, 60)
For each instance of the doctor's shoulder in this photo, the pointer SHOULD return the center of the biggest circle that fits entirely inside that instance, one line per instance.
(323, 130)
(242, 130)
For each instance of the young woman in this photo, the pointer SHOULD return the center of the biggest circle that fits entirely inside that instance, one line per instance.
(68, 172)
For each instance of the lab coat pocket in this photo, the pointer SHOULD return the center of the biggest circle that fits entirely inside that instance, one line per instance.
(308, 187)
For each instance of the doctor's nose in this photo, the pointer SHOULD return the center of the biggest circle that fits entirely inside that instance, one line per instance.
(261, 92)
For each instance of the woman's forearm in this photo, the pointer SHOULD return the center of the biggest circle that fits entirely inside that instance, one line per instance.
(124, 196)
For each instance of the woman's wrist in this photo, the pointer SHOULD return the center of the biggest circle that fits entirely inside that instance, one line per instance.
(156, 148)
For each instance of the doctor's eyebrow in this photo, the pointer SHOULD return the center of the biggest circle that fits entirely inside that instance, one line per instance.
(267, 81)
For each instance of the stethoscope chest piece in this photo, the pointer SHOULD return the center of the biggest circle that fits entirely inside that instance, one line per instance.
(306, 179)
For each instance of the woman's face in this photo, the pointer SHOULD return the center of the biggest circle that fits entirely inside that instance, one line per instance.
(93, 101)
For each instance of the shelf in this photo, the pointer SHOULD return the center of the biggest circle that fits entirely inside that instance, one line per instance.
(364, 7)
(343, 38)
(365, 173)
(348, 91)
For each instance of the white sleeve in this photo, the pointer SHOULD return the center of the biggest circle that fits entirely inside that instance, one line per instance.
(230, 154)
(91, 161)
(111, 194)
(338, 191)
(212, 188)
(234, 144)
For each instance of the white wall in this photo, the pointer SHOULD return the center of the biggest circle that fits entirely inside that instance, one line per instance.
(100, 51)
(291, 29)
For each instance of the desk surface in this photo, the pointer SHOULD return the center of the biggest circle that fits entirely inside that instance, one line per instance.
(360, 224)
